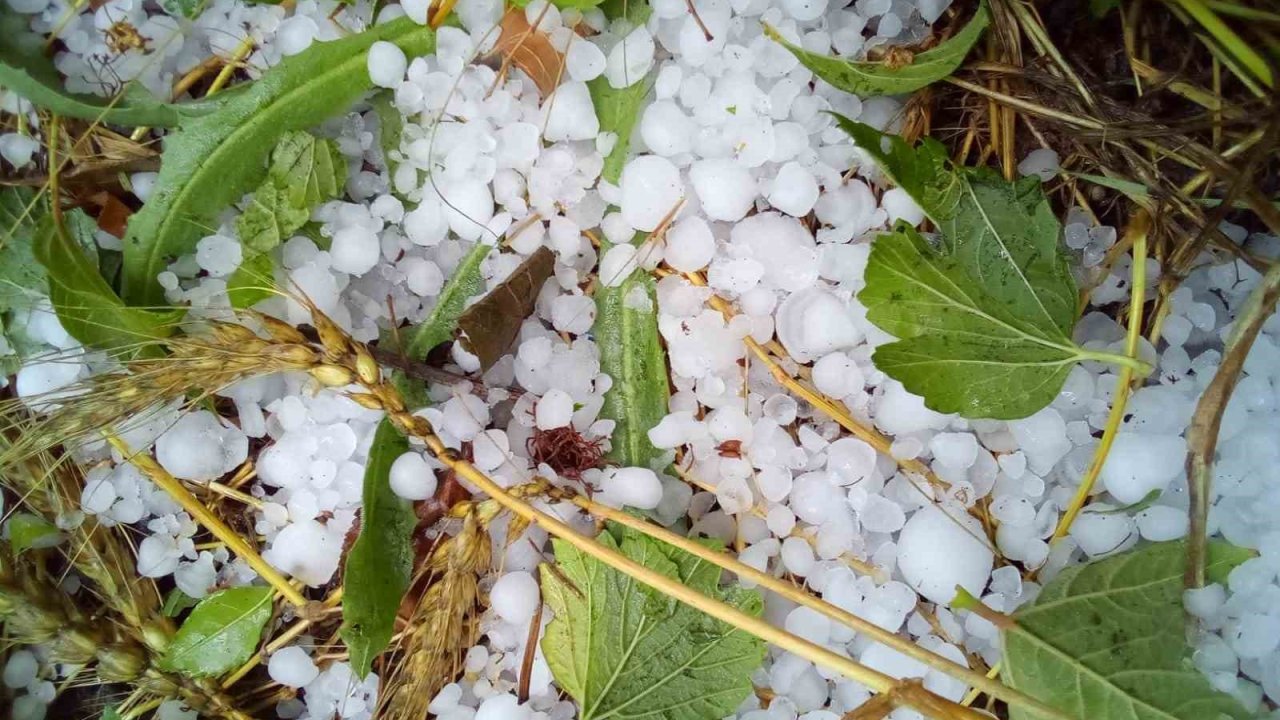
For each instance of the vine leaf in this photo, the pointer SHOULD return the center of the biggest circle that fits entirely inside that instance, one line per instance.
(487, 328)
(380, 564)
(618, 109)
(1107, 640)
(624, 650)
(440, 325)
(214, 159)
(984, 312)
(892, 76)
(220, 633)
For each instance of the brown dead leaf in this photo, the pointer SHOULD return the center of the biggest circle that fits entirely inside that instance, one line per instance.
(530, 50)
(487, 328)
(112, 214)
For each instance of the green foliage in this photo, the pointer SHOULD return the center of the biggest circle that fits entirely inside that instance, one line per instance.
(619, 109)
(443, 320)
(252, 281)
(27, 531)
(983, 313)
(182, 8)
(177, 602)
(22, 278)
(214, 159)
(883, 78)
(87, 307)
(379, 566)
(632, 354)
(1107, 640)
(625, 650)
(220, 633)
(26, 69)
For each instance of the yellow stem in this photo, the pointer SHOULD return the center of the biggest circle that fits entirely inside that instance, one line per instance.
(441, 13)
(1138, 229)
(234, 494)
(972, 695)
(201, 514)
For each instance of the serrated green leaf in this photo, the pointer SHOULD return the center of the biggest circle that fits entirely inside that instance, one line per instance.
(618, 110)
(214, 159)
(27, 531)
(631, 353)
(305, 171)
(440, 325)
(624, 650)
(220, 633)
(268, 219)
(25, 68)
(984, 312)
(1107, 640)
(883, 78)
(86, 305)
(379, 566)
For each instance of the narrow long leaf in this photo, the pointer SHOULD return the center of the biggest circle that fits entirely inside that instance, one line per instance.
(618, 110)
(443, 320)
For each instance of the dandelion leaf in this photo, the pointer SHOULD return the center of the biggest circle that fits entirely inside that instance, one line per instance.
(1107, 640)
(618, 109)
(220, 633)
(624, 650)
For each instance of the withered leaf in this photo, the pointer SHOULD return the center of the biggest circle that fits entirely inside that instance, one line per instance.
(487, 328)
(530, 50)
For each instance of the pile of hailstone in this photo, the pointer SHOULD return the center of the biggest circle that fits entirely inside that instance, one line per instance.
(736, 136)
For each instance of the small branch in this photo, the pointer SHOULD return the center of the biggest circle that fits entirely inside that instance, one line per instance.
(698, 19)
(530, 654)
(1202, 436)
(964, 600)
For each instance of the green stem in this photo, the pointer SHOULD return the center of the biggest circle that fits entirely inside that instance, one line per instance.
(1138, 366)
(1232, 43)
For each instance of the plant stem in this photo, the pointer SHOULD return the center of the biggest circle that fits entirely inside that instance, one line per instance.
(1131, 363)
(1138, 229)
(1228, 39)
(1202, 436)
(201, 514)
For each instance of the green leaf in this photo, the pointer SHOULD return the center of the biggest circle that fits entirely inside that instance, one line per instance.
(269, 219)
(220, 633)
(251, 282)
(177, 602)
(86, 305)
(1107, 640)
(983, 313)
(21, 277)
(111, 713)
(625, 650)
(305, 171)
(631, 353)
(390, 126)
(214, 159)
(27, 531)
(25, 68)
(1100, 8)
(619, 109)
(379, 566)
(182, 8)
(443, 320)
(882, 78)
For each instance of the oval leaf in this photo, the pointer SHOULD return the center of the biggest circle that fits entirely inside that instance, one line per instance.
(27, 531)
(220, 633)
(380, 564)
(1107, 640)
(887, 77)
(213, 160)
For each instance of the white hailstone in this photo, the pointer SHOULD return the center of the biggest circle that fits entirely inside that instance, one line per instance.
(879, 514)
(573, 314)
(584, 60)
(940, 549)
(296, 34)
(464, 417)
(725, 188)
(783, 246)
(416, 10)
(17, 148)
(21, 669)
(492, 448)
(666, 130)
(814, 497)
(813, 322)
(617, 264)
(807, 622)
(308, 550)
(1140, 464)
(1041, 162)
(200, 446)
(175, 710)
(569, 115)
(519, 145)
(774, 482)
(196, 578)
(387, 64)
(46, 376)
(900, 206)
(690, 244)
(629, 61)
(218, 255)
(805, 10)
(633, 487)
(1043, 439)
(958, 450)
(98, 496)
(1099, 533)
(468, 206)
(1254, 635)
(651, 188)
(422, 276)
(28, 707)
(355, 250)
(794, 190)
(797, 556)
(426, 224)
(730, 423)
(851, 460)
(1205, 602)
(411, 478)
(837, 375)
(515, 597)
(1161, 522)
(503, 707)
(292, 667)
(158, 555)
(553, 410)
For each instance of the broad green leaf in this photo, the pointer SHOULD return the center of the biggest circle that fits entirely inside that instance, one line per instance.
(25, 68)
(443, 320)
(883, 77)
(379, 566)
(626, 332)
(983, 313)
(619, 109)
(624, 650)
(87, 307)
(21, 277)
(27, 531)
(177, 602)
(252, 281)
(309, 169)
(214, 159)
(220, 633)
(1107, 640)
